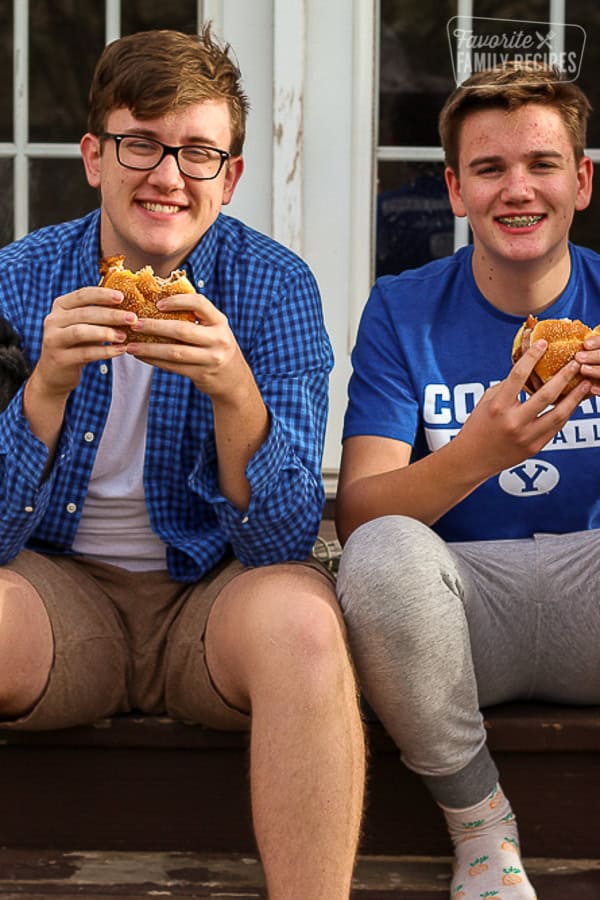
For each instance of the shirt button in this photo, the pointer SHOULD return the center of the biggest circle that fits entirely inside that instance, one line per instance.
(28, 509)
(71, 507)
(245, 520)
(89, 437)
(103, 369)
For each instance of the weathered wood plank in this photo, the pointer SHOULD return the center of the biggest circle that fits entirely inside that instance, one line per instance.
(132, 876)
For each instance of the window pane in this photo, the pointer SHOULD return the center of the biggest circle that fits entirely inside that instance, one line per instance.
(143, 15)
(415, 223)
(66, 39)
(7, 205)
(416, 70)
(46, 204)
(491, 18)
(6, 70)
(525, 10)
(586, 13)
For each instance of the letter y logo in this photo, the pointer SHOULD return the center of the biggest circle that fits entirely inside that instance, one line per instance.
(529, 479)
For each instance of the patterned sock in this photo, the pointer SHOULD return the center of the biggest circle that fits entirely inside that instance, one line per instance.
(487, 855)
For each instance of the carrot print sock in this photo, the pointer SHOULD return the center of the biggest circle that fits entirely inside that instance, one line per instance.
(488, 862)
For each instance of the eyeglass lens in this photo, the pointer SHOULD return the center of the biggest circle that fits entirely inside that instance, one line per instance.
(197, 162)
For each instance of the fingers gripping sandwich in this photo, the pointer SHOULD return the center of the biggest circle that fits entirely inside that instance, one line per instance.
(565, 338)
(141, 292)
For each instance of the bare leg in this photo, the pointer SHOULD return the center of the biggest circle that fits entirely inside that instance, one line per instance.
(276, 646)
(26, 645)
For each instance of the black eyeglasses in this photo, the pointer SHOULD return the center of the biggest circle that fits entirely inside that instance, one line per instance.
(193, 160)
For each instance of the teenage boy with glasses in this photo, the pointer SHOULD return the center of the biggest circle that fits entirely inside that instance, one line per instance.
(160, 500)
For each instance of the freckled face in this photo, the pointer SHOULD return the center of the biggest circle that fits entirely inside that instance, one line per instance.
(519, 184)
(157, 217)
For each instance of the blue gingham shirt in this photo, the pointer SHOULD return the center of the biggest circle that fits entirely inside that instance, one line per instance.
(273, 306)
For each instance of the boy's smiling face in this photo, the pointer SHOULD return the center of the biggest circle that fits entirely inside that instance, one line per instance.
(156, 217)
(518, 183)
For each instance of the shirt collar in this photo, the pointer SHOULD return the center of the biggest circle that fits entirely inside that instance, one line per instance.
(89, 271)
(200, 264)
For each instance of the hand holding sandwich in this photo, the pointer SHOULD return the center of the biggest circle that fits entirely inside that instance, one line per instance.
(503, 431)
(181, 331)
(208, 354)
(555, 363)
(566, 339)
(84, 326)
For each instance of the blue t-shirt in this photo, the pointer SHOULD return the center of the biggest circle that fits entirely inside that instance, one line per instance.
(429, 345)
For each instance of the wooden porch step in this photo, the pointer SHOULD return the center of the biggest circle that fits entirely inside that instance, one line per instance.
(28, 875)
(150, 784)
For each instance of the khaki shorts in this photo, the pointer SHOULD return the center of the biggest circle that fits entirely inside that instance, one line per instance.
(127, 641)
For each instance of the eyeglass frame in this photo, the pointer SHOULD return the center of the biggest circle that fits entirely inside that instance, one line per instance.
(167, 150)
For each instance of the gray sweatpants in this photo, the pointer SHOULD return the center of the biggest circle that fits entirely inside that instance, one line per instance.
(437, 630)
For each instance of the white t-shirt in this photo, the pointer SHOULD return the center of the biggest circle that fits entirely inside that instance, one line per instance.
(115, 526)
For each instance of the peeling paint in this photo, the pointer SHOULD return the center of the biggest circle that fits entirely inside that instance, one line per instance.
(296, 161)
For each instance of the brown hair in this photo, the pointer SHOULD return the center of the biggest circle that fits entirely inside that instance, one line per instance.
(153, 73)
(509, 87)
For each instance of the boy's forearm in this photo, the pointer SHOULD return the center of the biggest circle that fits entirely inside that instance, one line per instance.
(424, 490)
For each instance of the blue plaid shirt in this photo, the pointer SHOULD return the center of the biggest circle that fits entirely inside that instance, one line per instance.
(273, 306)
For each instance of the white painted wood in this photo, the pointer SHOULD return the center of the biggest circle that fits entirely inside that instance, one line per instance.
(461, 232)
(288, 121)
(421, 154)
(212, 10)
(21, 115)
(465, 16)
(248, 27)
(363, 142)
(557, 16)
(311, 212)
(53, 151)
(112, 22)
(337, 180)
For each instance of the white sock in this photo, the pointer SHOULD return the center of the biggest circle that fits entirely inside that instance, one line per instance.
(488, 862)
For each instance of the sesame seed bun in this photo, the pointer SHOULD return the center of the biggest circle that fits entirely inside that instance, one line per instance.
(565, 338)
(141, 292)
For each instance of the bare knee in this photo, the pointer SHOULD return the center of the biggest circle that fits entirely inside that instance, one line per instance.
(26, 645)
(278, 626)
(298, 612)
